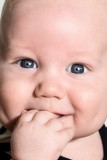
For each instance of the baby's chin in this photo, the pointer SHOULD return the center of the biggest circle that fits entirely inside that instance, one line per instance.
(78, 134)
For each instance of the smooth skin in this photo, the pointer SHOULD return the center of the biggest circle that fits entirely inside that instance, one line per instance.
(54, 75)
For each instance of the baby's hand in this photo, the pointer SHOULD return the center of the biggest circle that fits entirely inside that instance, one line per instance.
(40, 135)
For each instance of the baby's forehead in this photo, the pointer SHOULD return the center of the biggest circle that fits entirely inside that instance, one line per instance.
(94, 9)
(85, 13)
(75, 8)
(20, 9)
(64, 4)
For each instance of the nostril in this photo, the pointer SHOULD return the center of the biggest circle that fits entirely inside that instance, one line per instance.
(49, 87)
(49, 95)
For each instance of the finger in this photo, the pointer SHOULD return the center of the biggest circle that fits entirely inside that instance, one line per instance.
(66, 136)
(27, 116)
(44, 116)
(61, 123)
(55, 124)
(67, 121)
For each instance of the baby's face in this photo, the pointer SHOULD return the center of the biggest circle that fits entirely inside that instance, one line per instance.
(55, 60)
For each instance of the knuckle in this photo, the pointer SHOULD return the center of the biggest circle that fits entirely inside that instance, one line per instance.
(44, 117)
(27, 116)
(56, 124)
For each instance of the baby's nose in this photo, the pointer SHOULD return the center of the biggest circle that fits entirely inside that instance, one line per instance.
(50, 87)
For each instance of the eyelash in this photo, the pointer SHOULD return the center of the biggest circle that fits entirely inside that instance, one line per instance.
(28, 62)
(76, 68)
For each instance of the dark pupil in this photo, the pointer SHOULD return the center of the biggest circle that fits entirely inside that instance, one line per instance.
(77, 69)
(27, 63)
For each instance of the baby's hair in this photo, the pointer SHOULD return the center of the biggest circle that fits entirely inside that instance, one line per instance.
(4, 23)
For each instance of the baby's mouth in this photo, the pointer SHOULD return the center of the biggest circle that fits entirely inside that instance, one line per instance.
(59, 114)
(60, 107)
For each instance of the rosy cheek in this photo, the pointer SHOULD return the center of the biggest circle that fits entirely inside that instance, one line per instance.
(84, 98)
(12, 98)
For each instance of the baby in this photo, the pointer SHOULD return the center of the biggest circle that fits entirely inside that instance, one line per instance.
(53, 78)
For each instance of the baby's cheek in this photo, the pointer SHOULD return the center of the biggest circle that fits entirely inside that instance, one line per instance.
(86, 115)
(11, 102)
(90, 101)
(85, 101)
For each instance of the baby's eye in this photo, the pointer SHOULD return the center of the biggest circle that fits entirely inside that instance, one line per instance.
(77, 69)
(27, 63)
